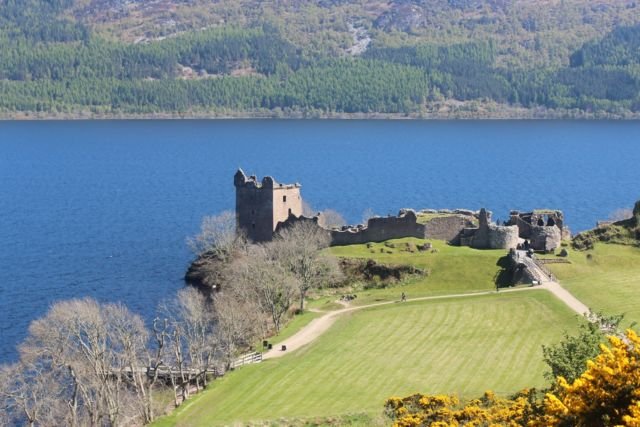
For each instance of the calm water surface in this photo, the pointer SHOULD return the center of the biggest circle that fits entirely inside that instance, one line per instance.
(102, 209)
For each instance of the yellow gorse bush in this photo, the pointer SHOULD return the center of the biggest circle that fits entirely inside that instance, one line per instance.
(606, 394)
(445, 410)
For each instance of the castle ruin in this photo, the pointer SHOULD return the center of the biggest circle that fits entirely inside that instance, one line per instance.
(488, 235)
(544, 229)
(264, 207)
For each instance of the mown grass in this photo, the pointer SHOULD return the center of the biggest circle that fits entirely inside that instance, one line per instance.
(607, 281)
(455, 345)
(452, 269)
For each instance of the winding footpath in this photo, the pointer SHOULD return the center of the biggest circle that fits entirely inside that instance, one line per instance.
(321, 324)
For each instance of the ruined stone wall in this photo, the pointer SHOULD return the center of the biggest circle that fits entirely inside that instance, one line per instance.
(488, 235)
(448, 228)
(293, 219)
(523, 224)
(545, 238)
(379, 229)
(545, 229)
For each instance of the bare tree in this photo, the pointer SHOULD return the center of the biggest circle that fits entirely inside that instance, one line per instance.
(307, 210)
(94, 350)
(331, 219)
(218, 236)
(56, 340)
(299, 249)
(274, 286)
(368, 213)
(192, 338)
(29, 395)
(239, 324)
(129, 338)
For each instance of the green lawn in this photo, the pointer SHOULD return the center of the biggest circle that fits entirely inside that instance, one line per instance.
(608, 282)
(461, 345)
(453, 269)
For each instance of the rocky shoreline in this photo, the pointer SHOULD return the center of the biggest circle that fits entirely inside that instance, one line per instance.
(447, 110)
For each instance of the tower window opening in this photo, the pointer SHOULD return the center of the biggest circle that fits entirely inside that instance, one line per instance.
(284, 199)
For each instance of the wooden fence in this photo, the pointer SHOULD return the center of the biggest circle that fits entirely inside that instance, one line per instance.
(247, 359)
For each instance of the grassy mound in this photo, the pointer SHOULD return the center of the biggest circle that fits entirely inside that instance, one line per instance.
(462, 345)
(451, 269)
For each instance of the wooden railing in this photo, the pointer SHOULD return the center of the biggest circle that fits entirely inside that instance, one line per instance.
(166, 373)
(549, 275)
(246, 359)
(554, 261)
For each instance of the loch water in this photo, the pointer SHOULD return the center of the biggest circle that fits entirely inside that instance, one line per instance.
(103, 208)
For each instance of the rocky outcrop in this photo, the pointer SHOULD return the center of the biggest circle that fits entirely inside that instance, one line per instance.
(367, 270)
(625, 232)
(205, 273)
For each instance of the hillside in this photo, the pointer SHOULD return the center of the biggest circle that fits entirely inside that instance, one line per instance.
(422, 58)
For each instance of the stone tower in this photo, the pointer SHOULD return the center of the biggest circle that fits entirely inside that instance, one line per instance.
(260, 206)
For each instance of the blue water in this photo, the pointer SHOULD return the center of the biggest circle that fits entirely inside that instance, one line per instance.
(103, 209)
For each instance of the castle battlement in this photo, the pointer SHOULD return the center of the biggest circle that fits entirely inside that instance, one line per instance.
(268, 182)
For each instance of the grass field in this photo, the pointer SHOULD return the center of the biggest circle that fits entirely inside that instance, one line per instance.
(462, 345)
(452, 269)
(608, 282)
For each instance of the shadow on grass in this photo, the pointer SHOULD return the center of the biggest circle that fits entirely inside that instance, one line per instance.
(502, 279)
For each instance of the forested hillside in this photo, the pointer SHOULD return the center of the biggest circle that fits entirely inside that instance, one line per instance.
(468, 58)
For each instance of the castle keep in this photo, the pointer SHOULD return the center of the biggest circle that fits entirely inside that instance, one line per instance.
(261, 205)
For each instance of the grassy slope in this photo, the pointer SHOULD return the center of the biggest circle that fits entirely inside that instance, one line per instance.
(452, 269)
(456, 345)
(609, 282)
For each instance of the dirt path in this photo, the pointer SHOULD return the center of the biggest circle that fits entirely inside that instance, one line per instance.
(566, 297)
(319, 325)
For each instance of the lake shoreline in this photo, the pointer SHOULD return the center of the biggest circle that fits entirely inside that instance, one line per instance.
(447, 111)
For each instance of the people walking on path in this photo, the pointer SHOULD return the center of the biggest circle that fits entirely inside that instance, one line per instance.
(403, 298)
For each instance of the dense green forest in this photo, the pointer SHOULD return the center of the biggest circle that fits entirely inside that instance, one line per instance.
(318, 58)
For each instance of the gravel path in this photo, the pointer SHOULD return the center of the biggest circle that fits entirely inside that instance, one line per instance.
(566, 297)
